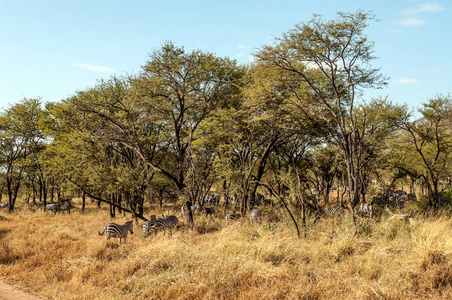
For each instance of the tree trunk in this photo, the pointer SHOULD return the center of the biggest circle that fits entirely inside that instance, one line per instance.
(112, 207)
(189, 213)
(290, 214)
(83, 201)
(303, 206)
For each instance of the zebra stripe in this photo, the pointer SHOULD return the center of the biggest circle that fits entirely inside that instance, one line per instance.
(159, 223)
(196, 208)
(148, 225)
(3, 205)
(65, 207)
(52, 207)
(233, 216)
(396, 202)
(329, 212)
(366, 209)
(118, 231)
(255, 215)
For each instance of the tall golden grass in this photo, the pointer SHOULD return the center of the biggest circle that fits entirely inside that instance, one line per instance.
(63, 257)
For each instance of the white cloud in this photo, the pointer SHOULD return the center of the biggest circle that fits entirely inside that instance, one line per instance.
(426, 7)
(245, 56)
(408, 81)
(411, 22)
(241, 47)
(92, 68)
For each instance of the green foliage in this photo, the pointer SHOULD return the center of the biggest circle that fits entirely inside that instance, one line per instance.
(443, 202)
(191, 122)
(427, 145)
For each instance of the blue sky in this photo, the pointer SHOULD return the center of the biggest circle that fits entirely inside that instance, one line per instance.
(51, 49)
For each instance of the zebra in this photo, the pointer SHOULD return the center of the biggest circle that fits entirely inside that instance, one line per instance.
(393, 201)
(380, 201)
(396, 202)
(159, 223)
(52, 207)
(233, 216)
(166, 223)
(196, 207)
(193, 208)
(4, 205)
(255, 215)
(118, 231)
(209, 211)
(65, 207)
(411, 196)
(212, 200)
(149, 224)
(329, 212)
(366, 209)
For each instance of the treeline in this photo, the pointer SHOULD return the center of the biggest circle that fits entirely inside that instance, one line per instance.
(294, 121)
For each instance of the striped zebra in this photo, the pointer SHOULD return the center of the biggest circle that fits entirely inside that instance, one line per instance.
(118, 231)
(396, 202)
(65, 207)
(52, 207)
(4, 205)
(148, 225)
(329, 212)
(196, 208)
(366, 209)
(159, 223)
(255, 215)
(233, 216)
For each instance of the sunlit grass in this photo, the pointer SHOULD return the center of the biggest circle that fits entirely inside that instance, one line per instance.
(63, 256)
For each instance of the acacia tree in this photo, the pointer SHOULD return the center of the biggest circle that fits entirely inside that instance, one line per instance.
(249, 132)
(431, 140)
(85, 151)
(157, 114)
(330, 66)
(20, 136)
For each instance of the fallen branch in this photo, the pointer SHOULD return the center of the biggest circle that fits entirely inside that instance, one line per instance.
(405, 217)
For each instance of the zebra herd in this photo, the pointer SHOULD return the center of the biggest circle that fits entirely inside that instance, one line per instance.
(155, 224)
(65, 206)
(395, 199)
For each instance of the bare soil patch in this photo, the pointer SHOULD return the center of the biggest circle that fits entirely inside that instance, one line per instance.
(13, 292)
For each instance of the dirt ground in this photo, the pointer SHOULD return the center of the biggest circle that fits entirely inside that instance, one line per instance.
(12, 292)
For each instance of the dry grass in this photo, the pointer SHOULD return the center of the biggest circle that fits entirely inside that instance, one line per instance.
(63, 257)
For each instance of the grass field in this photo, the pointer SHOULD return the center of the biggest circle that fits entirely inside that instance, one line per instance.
(63, 257)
